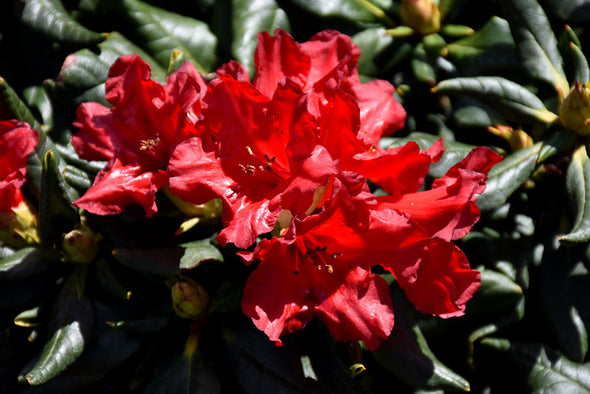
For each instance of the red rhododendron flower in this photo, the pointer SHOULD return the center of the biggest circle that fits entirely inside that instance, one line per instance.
(350, 235)
(17, 141)
(137, 134)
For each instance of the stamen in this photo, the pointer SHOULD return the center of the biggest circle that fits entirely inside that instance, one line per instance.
(148, 144)
(329, 268)
(249, 151)
(336, 255)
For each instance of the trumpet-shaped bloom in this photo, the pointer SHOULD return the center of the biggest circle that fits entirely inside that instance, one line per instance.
(137, 134)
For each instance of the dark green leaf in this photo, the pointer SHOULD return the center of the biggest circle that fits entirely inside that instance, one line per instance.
(16, 106)
(536, 367)
(250, 17)
(178, 373)
(407, 355)
(38, 99)
(489, 51)
(169, 261)
(554, 291)
(70, 329)
(56, 214)
(77, 178)
(556, 143)
(507, 97)
(161, 32)
(507, 176)
(578, 186)
(24, 263)
(497, 292)
(50, 18)
(535, 42)
(472, 113)
(423, 66)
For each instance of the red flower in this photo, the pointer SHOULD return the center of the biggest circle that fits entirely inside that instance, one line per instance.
(324, 55)
(17, 141)
(321, 267)
(254, 155)
(136, 135)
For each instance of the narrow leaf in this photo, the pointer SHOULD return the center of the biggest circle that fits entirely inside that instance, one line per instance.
(17, 107)
(507, 176)
(578, 186)
(23, 263)
(507, 97)
(535, 42)
(70, 328)
(50, 18)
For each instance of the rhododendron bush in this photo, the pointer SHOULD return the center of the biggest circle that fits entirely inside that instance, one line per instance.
(289, 196)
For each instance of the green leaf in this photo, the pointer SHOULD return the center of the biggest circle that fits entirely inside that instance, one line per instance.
(423, 65)
(507, 176)
(56, 214)
(509, 98)
(24, 263)
(407, 355)
(250, 17)
(554, 291)
(177, 373)
(70, 329)
(497, 292)
(578, 187)
(490, 50)
(576, 64)
(372, 43)
(535, 42)
(472, 113)
(556, 143)
(38, 99)
(50, 18)
(169, 261)
(84, 73)
(16, 106)
(161, 32)
(535, 367)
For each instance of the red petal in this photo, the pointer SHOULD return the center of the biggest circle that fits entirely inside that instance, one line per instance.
(118, 186)
(444, 283)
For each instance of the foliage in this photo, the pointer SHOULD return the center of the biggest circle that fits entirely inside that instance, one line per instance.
(106, 323)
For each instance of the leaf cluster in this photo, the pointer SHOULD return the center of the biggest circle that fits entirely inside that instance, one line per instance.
(494, 78)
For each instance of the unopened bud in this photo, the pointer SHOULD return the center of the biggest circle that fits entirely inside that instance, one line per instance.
(574, 111)
(189, 299)
(423, 16)
(80, 245)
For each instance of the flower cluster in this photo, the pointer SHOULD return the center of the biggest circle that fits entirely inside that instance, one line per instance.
(293, 156)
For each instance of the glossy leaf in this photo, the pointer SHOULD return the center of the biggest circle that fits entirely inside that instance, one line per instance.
(372, 43)
(535, 42)
(578, 186)
(56, 215)
(407, 355)
(507, 176)
(169, 261)
(508, 97)
(50, 18)
(355, 11)
(24, 263)
(161, 32)
(490, 50)
(250, 17)
(535, 367)
(16, 105)
(70, 329)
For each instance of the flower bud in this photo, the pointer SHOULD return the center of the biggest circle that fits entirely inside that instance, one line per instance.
(574, 111)
(80, 245)
(189, 299)
(421, 15)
